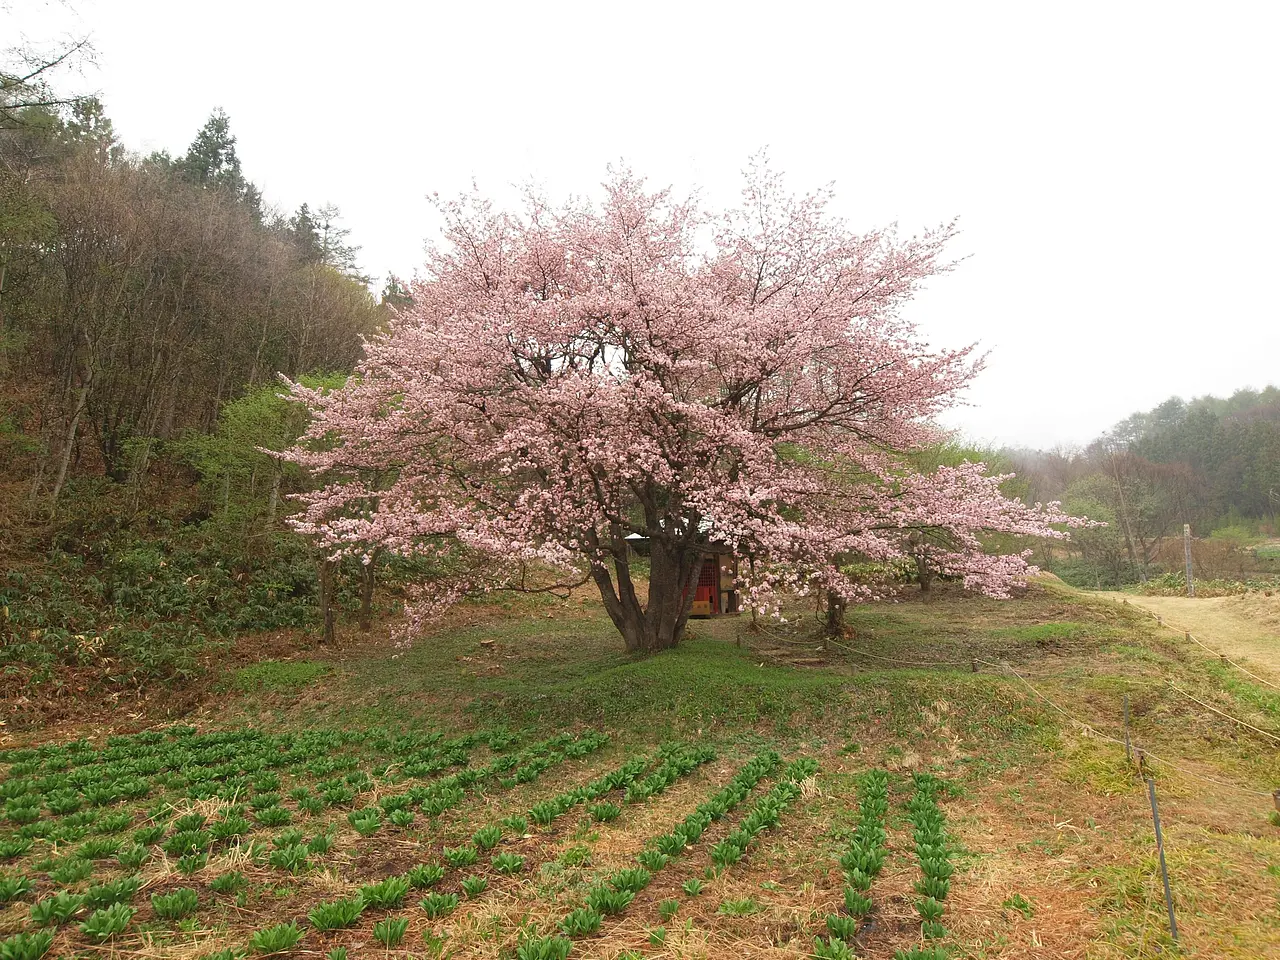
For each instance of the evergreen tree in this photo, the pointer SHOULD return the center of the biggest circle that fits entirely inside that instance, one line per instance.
(211, 162)
(303, 233)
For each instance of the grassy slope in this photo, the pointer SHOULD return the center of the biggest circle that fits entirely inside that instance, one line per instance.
(1046, 812)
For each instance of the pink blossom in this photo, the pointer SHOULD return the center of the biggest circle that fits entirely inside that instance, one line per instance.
(568, 376)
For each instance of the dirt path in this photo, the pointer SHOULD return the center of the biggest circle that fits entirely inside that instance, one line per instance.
(1246, 629)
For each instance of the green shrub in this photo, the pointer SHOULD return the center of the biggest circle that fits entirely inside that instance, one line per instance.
(463, 856)
(71, 871)
(633, 879)
(106, 923)
(437, 905)
(288, 838)
(13, 847)
(114, 822)
(26, 946)
(112, 892)
(14, 887)
(580, 922)
(474, 886)
(175, 905)
(609, 902)
(932, 930)
(426, 874)
(189, 822)
(365, 821)
(229, 827)
(148, 835)
(508, 863)
(933, 887)
(273, 816)
(604, 812)
(841, 927)
(277, 939)
(229, 882)
(337, 915)
(58, 909)
(653, 860)
(856, 903)
(831, 949)
(544, 948)
(293, 859)
(390, 931)
(386, 894)
(192, 863)
(131, 858)
(101, 848)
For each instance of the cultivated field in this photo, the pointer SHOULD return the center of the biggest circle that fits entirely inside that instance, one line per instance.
(515, 786)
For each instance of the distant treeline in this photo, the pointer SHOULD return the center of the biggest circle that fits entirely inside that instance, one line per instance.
(1213, 463)
(140, 294)
(147, 304)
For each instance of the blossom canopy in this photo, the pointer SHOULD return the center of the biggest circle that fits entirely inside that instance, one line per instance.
(567, 376)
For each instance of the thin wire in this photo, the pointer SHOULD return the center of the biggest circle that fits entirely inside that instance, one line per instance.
(815, 645)
(1194, 639)
(1094, 730)
(1217, 653)
(1104, 736)
(1208, 706)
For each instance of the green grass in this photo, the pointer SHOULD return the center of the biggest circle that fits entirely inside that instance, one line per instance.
(1246, 692)
(1043, 633)
(576, 672)
(554, 667)
(277, 675)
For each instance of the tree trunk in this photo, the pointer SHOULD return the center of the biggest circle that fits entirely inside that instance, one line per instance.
(834, 626)
(926, 576)
(658, 624)
(274, 500)
(366, 590)
(328, 578)
(68, 445)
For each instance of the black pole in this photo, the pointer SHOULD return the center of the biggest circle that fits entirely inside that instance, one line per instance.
(1128, 750)
(1164, 871)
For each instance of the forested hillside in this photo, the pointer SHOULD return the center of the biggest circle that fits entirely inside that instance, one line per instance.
(1212, 462)
(147, 305)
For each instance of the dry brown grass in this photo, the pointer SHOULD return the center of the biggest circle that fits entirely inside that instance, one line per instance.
(1245, 628)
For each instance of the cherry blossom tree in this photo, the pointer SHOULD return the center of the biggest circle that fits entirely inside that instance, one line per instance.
(564, 377)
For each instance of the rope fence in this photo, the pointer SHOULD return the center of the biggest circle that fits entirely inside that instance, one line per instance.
(1090, 728)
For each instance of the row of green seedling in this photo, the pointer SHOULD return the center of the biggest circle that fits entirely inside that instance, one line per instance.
(438, 905)
(766, 813)
(193, 835)
(616, 894)
(933, 853)
(672, 763)
(391, 893)
(75, 796)
(222, 765)
(861, 863)
(182, 747)
(439, 796)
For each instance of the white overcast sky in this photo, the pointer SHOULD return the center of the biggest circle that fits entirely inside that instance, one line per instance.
(1114, 165)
